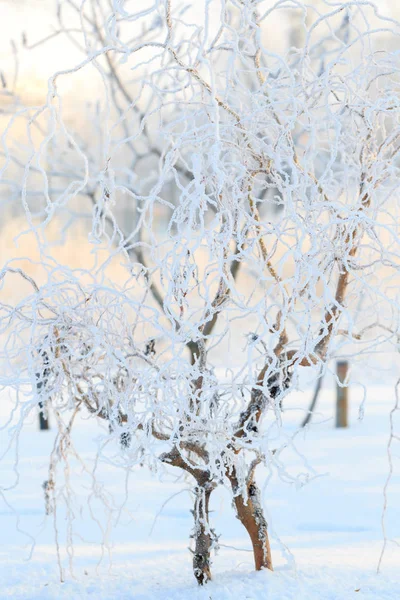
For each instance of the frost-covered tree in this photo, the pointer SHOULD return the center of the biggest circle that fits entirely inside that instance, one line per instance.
(248, 186)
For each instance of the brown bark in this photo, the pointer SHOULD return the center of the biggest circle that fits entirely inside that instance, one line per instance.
(202, 534)
(251, 515)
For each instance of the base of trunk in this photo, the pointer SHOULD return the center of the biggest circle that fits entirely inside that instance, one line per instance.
(202, 535)
(251, 515)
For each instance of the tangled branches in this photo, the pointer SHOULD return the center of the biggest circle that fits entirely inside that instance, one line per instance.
(246, 192)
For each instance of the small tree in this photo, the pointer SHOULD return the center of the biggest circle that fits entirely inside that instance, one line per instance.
(252, 197)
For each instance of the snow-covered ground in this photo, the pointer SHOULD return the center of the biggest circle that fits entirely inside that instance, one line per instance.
(326, 536)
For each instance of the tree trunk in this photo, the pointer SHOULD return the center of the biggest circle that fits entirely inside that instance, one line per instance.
(342, 400)
(43, 421)
(314, 400)
(202, 535)
(252, 517)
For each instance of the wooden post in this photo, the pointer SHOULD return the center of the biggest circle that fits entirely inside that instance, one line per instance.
(342, 367)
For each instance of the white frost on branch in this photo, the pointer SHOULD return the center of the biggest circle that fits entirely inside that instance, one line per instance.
(249, 194)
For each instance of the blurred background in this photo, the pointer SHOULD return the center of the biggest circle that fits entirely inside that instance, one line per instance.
(32, 49)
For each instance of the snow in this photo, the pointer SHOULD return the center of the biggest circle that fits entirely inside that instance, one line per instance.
(326, 536)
